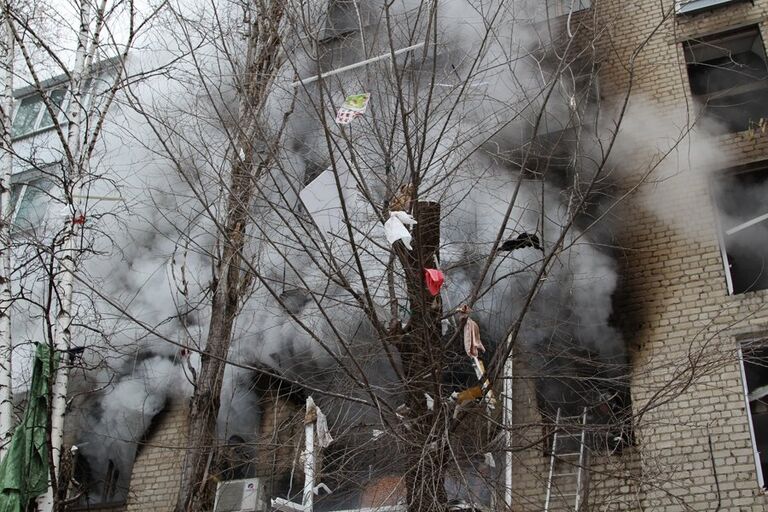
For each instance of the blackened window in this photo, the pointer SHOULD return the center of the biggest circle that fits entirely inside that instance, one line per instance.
(755, 372)
(742, 201)
(728, 74)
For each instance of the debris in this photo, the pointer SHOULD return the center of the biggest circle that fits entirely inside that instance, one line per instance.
(489, 460)
(395, 228)
(490, 396)
(402, 200)
(472, 344)
(434, 279)
(75, 353)
(316, 416)
(321, 487)
(745, 225)
(376, 433)
(522, 241)
(468, 395)
(353, 106)
(430, 402)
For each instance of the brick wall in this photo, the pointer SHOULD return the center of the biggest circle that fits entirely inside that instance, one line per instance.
(673, 300)
(157, 470)
(674, 304)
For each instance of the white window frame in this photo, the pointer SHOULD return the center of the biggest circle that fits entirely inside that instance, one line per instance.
(683, 7)
(757, 460)
(557, 8)
(720, 229)
(36, 126)
(23, 179)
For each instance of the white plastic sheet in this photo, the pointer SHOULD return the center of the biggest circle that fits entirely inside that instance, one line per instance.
(395, 228)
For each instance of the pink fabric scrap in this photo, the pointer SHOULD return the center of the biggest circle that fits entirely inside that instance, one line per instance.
(472, 343)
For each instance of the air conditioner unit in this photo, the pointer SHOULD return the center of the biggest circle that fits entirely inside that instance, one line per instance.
(240, 496)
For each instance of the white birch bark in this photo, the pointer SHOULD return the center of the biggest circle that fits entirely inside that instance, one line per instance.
(76, 169)
(6, 169)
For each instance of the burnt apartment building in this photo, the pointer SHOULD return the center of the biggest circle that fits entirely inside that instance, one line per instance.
(691, 245)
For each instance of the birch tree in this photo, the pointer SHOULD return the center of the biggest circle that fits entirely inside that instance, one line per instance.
(76, 135)
(6, 169)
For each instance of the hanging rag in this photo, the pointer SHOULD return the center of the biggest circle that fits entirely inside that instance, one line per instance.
(472, 344)
(395, 228)
(316, 416)
(522, 241)
(434, 279)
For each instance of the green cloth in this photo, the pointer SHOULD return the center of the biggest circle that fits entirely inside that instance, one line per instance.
(24, 470)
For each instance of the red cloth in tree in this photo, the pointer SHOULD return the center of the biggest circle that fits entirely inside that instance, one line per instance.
(434, 279)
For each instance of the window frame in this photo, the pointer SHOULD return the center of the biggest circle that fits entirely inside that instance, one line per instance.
(23, 179)
(560, 8)
(718, 42)
(742, 341)
(697, 6)
(37, 126)
(720, 228)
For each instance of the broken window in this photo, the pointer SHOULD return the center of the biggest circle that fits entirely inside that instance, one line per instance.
(110, 482)
(728, 74)
(754, 365)
(344, 17)
(696, 6)
(742, 202)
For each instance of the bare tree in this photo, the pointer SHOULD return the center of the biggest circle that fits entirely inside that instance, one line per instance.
(479, 123)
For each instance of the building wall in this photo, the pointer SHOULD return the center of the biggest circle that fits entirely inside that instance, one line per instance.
(157, 469)
(610, 484)
(682, 325)
(675, 307)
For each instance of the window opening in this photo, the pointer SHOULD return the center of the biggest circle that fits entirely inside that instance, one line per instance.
(754, 365)
(742, 202)
(110, 482)
(342, 19)
(728, 74)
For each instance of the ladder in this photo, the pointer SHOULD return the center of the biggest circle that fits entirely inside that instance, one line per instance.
(567, 464)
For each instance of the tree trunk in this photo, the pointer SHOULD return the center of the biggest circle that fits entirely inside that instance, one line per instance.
(6, 169)
(74, 169)
(423, 357)
(204, 406)
(262, 63)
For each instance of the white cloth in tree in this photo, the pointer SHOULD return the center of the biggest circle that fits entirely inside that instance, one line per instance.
(395, 228)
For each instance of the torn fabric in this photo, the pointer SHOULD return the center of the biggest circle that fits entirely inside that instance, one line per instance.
(395, 228)
(522, 241)
(434, 279)
(472, 344)
(316, 416)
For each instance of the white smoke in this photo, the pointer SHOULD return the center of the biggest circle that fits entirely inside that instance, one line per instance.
(155, 260)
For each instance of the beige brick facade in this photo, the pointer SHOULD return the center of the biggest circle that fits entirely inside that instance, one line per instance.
(157, 470)
(681, 323)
